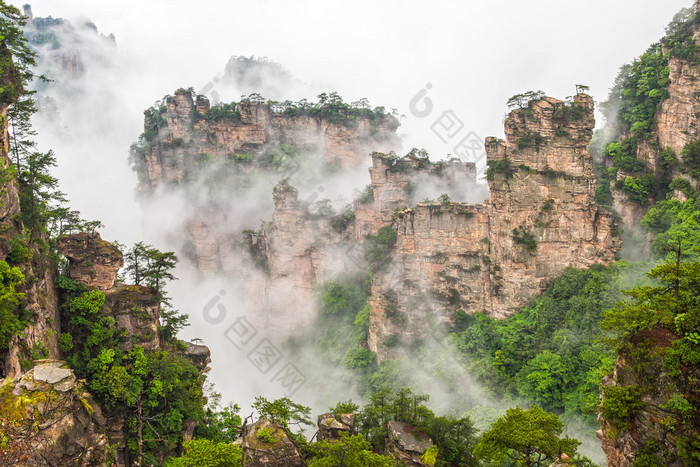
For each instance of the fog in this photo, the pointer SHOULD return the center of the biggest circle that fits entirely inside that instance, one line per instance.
(462, 60)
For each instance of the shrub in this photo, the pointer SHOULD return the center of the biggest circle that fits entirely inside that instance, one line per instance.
(12, 319)
(223, 111)
(265, 435)
(619, 404)
(690, 156)
(499, 166)
(19, 249)
(530, 138)
(525, 238)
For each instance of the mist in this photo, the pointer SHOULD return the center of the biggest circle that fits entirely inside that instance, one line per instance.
(455, 59)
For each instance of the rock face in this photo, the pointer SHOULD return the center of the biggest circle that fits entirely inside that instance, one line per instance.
(92, 261)
(187, 130)
(300, 248)
(657, 427)
(550, 198)
(494, 257)
(407, 444)
(190, 145)
(678, 118)
(40, 337)
(676, 123)
(397, 183)
(491, 257)
(330, 427)
(136, 309)
(50, 420)
(268, 444)
(95, 263)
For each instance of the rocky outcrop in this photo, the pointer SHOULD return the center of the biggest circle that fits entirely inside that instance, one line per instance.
(678, 118)
(268, 444)
(190, 147)
(92, 262)
(494, 257)
(190, 129)
(449, 256)
(544, 216)
(659, 425)
(331, 427)
(66, 52)
(400, 182)
(199, 355)
(407, 444)
(136, 310)
(676, 122)
(49, 420)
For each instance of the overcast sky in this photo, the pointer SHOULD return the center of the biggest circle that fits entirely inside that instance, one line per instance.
(475, 54)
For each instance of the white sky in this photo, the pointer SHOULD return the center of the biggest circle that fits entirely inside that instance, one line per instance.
(475, 54)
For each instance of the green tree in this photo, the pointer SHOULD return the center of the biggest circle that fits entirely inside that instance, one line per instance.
(546, 379)
(11, 320)
(378, 248)
(206, 453)
(150, 266)
(159, 266)
(349, 451)
(16, 57)
(38, 190)
(136, 262)
(690, 155)
(283, 411)
(527, 437)
(219, 425)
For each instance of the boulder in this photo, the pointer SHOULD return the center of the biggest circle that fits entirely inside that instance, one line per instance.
(268, 444)
(49, 420)
(330, 427)
(407, 444)
(92, 262)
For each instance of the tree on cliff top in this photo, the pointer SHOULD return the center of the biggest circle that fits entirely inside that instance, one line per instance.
(522, 101)
(150, 266)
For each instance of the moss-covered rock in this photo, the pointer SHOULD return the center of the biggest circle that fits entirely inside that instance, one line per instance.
(48, 419)
(268, 444)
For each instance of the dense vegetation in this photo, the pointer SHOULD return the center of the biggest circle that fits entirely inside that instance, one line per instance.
(553, 353)
(667, 307)
(636, 95)
(532, 436)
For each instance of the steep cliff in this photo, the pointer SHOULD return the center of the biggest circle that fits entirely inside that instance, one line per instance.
(652, 114)
(494, 257)
(220, 157)
(26, 250)
(449, 256)
(650, 413)
(66, 50)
